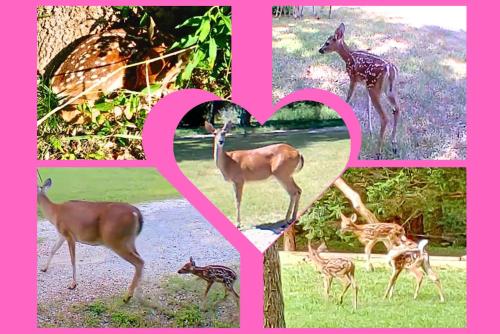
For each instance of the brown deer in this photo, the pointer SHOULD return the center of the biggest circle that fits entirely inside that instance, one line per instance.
(109, 224)
(338, 267)
(238, 167)
(370, 234)
(213, 274)
(415, 259)
(379, 76)
(88, 69)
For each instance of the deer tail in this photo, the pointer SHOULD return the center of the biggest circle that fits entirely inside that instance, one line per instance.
(393, 72)
(300, 165)
(421, 245)
(139, 219)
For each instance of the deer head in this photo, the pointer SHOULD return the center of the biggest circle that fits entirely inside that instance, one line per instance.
(188, 267)
(347, 224)
(219, 134)
(335, 42)
(42, 190)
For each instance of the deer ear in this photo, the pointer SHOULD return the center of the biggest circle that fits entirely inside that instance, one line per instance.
(47, 184)
(228, 126)
(209, 127)
(354, 217)
(322, 247)
(191, 260)
(339, 33)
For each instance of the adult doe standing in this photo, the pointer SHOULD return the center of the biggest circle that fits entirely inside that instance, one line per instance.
(379, 76)
(238, 167)
(110, 224)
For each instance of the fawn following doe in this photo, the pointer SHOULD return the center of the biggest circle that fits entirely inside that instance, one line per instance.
(238, 167)
(85, 75)
(338, 267)
(212, 274)
(370, 234)
(110, 224)
(415, 259)
(379, 75)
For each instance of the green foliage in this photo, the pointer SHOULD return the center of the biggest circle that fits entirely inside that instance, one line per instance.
(212, 49)
(188, 316)
(436, 195)
(125, 319)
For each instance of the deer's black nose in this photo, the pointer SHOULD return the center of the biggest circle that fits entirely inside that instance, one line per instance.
(321, 51)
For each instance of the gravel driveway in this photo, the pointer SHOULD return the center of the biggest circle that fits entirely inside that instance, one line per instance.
(173, 230)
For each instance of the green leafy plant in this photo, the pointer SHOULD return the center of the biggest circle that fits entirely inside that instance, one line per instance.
(211, 42)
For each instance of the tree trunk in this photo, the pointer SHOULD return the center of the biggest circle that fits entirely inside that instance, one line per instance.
(245, 118)
(60, 26)
(289, 239)
(274, 308)
(356, 202)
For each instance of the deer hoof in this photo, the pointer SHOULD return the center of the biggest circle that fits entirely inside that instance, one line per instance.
(43, 270)
(72, 286)
(127, 299)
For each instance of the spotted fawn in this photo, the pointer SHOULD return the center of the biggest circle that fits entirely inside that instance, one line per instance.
(377, 74)
(90, 69)
(414, 258)
(339, 267)
(212, 274)
(370, 234)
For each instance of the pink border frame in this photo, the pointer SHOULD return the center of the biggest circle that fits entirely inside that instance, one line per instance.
(18, 304)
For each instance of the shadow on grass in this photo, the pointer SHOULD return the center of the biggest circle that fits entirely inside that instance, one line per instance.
(432, 81)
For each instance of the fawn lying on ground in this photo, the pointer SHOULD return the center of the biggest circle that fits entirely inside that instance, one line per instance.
(338, 267)
(212, 274)
(370, 234)
(415, 259)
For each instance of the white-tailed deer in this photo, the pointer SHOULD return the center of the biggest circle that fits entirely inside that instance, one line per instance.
(338, 267)
(97, 56)
(238, 167)
(379, 76)
(370, 234)
(110, 224)
(213, 274)
(415, 259)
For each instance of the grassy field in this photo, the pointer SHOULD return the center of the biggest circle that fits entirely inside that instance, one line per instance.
(131, 185)
(176, 303)
(431, 62)
(325, 155)
(306, 306)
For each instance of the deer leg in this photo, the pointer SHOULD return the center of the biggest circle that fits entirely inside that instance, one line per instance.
(327, 282)
(392, 282)
(418, 280)
(346, 284)
(368, 253)
(53, 251)
(72, 246)
(369, 107)
(375, 98)
(294, 192)
(391, 97)
(230, 289)
(435, 279)
(355, 291)
(238, 192)
(132, 257)
(352, 85)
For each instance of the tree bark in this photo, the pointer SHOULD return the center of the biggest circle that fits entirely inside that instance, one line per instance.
(60, 26)
(274, 308)
(356, 202)
(289, 239)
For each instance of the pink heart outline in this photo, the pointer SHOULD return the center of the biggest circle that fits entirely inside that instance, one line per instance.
(158, 140)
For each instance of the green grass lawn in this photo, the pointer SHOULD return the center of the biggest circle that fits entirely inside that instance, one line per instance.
(132, 185)
(306, 306)
(432, 76)
(325, 155)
